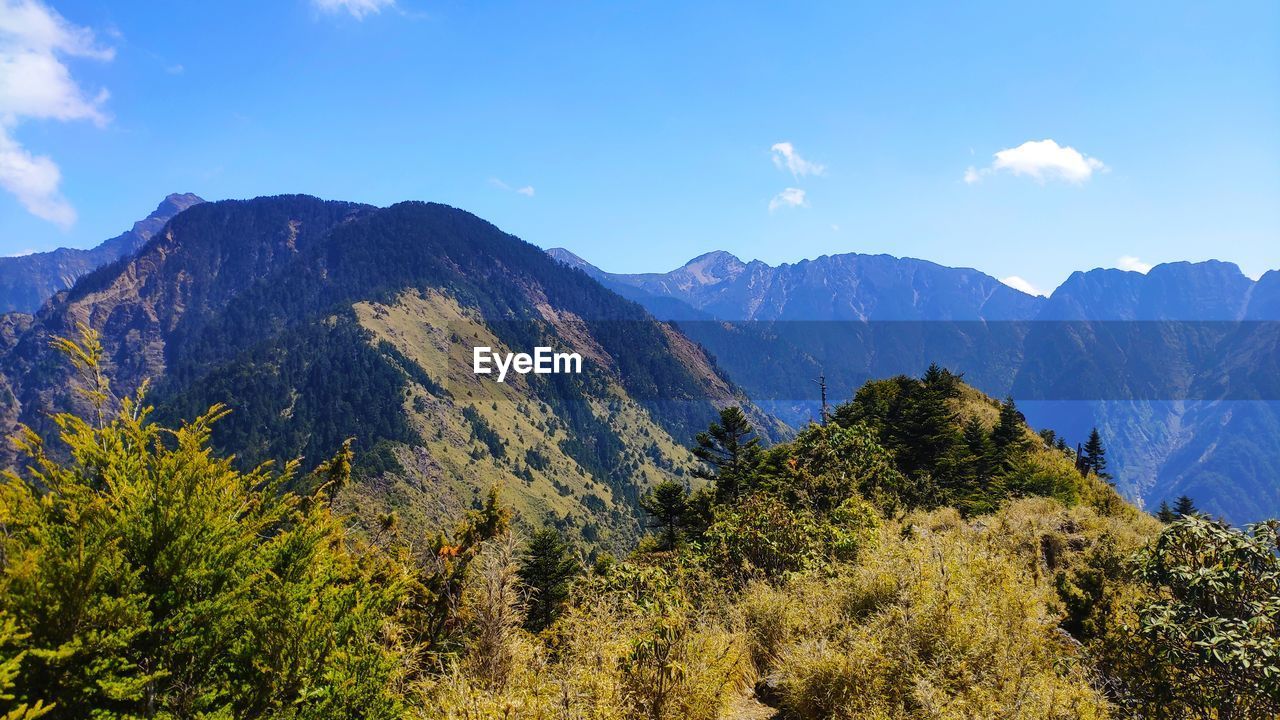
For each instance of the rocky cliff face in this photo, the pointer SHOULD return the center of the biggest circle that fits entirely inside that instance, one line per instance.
(27, 281)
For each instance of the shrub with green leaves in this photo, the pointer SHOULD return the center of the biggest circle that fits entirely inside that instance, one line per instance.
(1215, 620)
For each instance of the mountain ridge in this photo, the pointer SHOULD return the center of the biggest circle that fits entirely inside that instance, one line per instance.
(1159, 361)
(27, 281)
(722, 285)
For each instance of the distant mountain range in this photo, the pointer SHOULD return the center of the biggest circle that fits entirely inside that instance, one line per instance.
(317, 321)
(832, 287)
(1177, 367)
(26, 281)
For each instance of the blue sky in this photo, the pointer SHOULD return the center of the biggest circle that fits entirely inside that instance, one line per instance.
(644, 134)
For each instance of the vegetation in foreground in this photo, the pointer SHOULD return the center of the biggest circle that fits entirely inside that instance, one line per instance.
(921, 555)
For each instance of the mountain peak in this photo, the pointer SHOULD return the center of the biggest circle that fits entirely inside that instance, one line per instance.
(566, 257)
(1185, 291)
(1225, 270)
(26, 282)
(714, 267)
(175, 203)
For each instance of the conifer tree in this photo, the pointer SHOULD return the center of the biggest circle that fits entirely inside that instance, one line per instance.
(1008, 439)
(667, 504)
(144, 576)
(732, 450)
(930, 435)
(978, 442)
(547, 570)
(1165, 514)
(1184, 506)
(1095, 455)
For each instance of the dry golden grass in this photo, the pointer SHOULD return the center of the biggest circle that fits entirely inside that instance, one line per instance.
(448, 470)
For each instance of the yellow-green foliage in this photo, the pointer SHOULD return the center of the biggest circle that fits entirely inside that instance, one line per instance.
(143, 576)
(1044, 471)
(945, 620)
(632, 644)
(763, 537)
(10, 669)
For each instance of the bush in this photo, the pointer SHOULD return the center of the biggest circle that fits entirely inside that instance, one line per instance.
(938, 622)
(628, 645)
(144, 576)
(1215, 617)
(762, 537)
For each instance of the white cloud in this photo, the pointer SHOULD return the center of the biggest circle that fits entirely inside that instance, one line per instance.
(1041, 160)
(790, 197)
(1129, 262)
(357, 8)
(526, 190)
(786, 158)
(36, 84)
(33, 180)
(1018, 283)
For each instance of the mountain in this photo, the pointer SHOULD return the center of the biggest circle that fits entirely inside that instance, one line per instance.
(28, 280)
(1264, 302)
(1184, 291)
(315, 321)
(1177, 367)
(850, 286)
(846, 318)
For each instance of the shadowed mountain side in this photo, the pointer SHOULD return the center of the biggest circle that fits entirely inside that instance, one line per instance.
(316, 321)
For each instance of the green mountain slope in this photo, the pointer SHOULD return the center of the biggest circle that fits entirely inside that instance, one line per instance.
(317, 321)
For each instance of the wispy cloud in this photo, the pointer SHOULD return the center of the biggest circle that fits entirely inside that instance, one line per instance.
(358, 9)
(525, 190)
(1018, 283)
(36, 84)
(786, 158)
(1129, 262)
(788, 198)
(1040, 160)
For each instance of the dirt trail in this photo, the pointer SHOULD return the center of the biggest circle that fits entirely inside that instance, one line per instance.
(747, 707)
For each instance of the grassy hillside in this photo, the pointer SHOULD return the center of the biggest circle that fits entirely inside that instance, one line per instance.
(853, 572)
(471, 433)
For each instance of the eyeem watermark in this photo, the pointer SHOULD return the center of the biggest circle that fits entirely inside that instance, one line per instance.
(543, 361)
